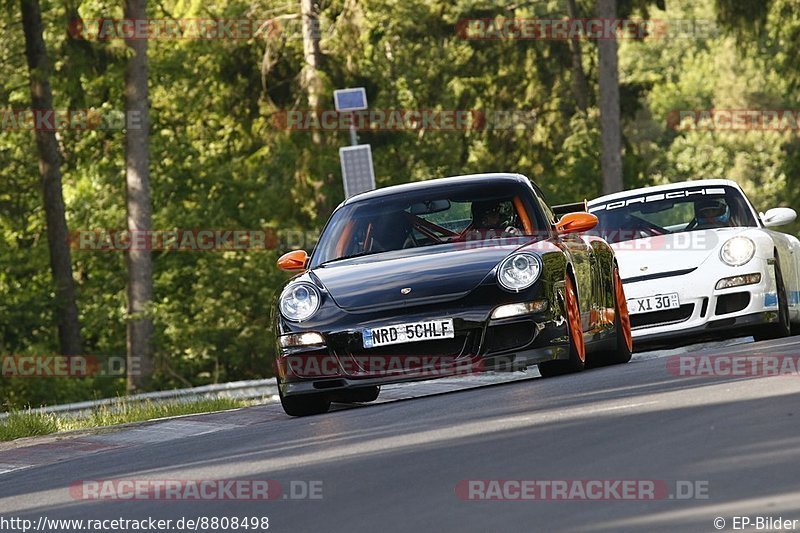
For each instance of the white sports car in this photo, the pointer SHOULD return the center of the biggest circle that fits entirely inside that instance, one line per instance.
(697, 260)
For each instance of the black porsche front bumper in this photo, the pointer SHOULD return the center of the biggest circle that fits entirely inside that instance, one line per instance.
(479, 344)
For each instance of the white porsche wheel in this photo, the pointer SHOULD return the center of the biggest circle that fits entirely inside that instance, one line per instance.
(783, 328)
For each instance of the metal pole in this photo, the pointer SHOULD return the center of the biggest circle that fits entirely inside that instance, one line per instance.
(353, 132)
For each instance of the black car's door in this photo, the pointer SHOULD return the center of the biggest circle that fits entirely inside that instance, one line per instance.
(581, 255)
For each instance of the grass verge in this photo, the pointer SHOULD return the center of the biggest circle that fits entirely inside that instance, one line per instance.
(29, 424)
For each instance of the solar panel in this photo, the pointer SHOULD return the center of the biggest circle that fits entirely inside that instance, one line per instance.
(350, 99)
(358, 174)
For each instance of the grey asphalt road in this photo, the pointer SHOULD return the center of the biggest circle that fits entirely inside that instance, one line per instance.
(395, 466)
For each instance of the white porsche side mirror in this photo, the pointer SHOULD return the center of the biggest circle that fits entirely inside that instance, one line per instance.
(778, 216)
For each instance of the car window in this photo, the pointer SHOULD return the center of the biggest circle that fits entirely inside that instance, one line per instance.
(456, 218)
(402, 222)
(675, 218)
(545, 207)
(676, 211)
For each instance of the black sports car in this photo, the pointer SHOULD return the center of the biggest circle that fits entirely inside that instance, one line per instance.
(443, 277)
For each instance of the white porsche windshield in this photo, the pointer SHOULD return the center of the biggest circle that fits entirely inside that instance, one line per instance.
(674, 211)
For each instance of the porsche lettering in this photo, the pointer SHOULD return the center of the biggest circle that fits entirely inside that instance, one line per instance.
(672, 195)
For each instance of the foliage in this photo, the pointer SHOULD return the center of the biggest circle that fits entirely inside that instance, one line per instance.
(21, 424)
(220, 160)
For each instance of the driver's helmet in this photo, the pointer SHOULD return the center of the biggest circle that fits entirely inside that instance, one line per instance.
(712, 212)
(482, 211)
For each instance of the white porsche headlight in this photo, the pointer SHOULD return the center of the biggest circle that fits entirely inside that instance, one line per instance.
(299, 301)
(737, 251)
(519, 271)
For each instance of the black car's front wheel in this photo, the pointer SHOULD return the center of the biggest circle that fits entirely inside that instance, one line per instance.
(304, 404)
(577, 345)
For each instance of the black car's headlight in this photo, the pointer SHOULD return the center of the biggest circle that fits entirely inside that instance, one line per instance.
(299, 301)
(306, 338)
(737, 251)
(519, 271)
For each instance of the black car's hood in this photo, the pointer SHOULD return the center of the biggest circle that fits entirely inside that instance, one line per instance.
(436, 274)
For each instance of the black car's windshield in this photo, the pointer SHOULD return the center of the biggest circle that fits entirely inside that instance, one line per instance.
(674, 211)
(429, 217)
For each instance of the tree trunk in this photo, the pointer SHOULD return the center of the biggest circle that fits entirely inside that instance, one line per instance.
(610, 135)
(313, 57)
(69, 334)
(137, 176)
(580, 87)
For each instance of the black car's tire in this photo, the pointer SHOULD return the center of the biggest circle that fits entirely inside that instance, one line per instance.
(359, 395)
(577, 345)
(622, 325)
(783, 328)
(549, 369)
(304, 404)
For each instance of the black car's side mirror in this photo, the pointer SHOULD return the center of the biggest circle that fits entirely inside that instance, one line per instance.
(294, 261)
(576, 223)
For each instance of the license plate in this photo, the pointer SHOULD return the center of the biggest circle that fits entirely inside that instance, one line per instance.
(413, 332)
(650, 304)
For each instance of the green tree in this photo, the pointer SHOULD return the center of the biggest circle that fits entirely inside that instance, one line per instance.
(69, 335)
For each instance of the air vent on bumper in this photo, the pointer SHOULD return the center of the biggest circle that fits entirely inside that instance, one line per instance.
(662, 318)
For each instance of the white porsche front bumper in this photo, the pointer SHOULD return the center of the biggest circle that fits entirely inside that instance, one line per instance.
(703, 307)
